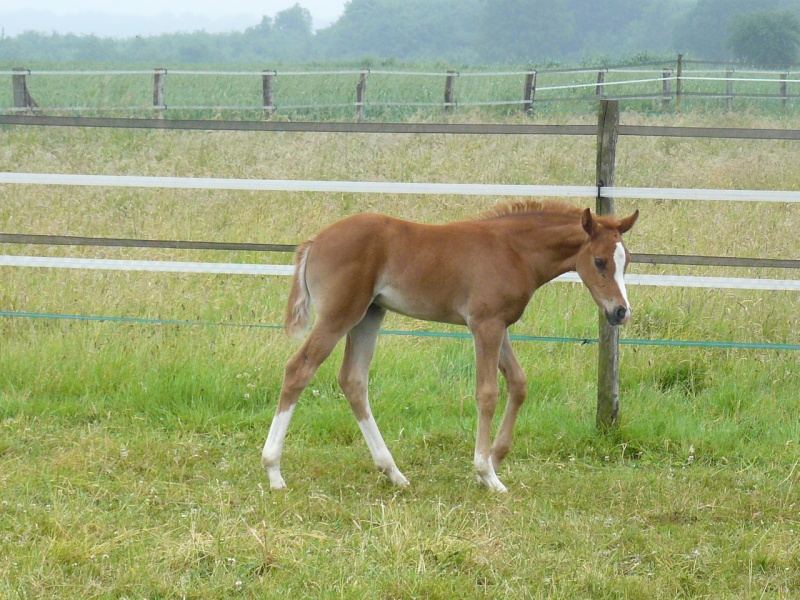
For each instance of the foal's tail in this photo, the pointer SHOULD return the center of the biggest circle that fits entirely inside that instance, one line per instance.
(298, 310)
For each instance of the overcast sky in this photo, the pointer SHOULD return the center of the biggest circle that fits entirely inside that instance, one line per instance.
(177, 15)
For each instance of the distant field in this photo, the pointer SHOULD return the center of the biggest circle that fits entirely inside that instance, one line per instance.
(130, 452)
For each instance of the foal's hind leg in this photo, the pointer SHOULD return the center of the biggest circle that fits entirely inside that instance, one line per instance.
(517, 385)
(354, 377)
(299, 371)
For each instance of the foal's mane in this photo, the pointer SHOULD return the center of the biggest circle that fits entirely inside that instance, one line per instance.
(529, 207)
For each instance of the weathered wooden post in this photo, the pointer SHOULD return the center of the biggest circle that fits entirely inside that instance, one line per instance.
(19, 84)
(679, 83)
(450, 91)
(601, 81)
(361, 96)
(783, 93)
(530, 91)
(267, 92)
(608, 336)
(666, 86)
(158, 92)
(729, 89)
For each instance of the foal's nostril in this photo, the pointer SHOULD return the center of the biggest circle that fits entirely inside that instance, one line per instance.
(621, 313)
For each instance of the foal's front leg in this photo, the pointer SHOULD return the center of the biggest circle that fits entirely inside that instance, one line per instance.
(488, 340)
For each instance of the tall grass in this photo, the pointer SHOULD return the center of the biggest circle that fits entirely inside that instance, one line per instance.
(129, 451)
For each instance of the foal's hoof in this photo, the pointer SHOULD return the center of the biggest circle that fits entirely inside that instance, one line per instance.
(401, 482)
(276, 482)
(493, 484)
(397, 478)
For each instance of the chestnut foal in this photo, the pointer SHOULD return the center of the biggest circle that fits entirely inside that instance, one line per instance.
(480, 273)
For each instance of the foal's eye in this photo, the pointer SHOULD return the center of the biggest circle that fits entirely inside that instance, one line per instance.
(600, 264)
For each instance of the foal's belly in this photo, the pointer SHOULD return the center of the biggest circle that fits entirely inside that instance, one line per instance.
(418, 306)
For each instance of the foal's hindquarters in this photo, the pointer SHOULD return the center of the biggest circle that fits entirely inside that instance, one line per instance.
(343, 301)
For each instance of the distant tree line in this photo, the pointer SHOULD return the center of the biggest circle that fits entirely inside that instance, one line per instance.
(477, 32)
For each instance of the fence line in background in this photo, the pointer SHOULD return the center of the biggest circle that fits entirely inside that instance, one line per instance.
(667, 84)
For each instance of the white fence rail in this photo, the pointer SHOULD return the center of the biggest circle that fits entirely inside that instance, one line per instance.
(391, 187)
(792, 285)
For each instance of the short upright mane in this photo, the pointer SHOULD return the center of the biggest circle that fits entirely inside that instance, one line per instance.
(529, 206)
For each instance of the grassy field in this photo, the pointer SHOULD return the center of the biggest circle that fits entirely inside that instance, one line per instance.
(130, 451)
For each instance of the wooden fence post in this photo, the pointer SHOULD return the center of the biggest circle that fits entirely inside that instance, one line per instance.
(450, 91)
(729, 89)
(601, 80)
(608, 336)
(679, 83)
(666, 86)
(783, 93)
(19, 84)
(158, 92)
(361, 96)
(267, 92)
(530, 91)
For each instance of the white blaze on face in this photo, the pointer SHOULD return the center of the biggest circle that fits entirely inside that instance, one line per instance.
(619, 271)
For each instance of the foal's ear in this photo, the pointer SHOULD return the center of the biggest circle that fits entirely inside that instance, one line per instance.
(626, 223)
(587, 221)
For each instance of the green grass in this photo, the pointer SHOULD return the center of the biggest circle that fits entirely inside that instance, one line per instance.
(130, 452)
(144, 481)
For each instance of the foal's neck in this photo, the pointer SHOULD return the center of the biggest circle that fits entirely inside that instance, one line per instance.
(549, 243)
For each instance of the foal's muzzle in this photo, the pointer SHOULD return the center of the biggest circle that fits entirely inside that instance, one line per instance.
(618, 316)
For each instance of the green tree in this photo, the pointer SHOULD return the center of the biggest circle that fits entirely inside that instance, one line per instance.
(402, 29)
(766, 38)
(293, 35)
(294, 21)
(262, 29)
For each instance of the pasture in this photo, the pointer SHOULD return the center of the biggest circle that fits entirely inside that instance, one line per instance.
(130, 450)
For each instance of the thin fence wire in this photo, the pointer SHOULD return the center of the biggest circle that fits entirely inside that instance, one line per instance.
(515, 337)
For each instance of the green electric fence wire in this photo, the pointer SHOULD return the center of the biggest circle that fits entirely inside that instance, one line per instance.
(433, 334)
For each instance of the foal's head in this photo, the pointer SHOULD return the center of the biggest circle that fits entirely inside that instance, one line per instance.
(602, 261)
